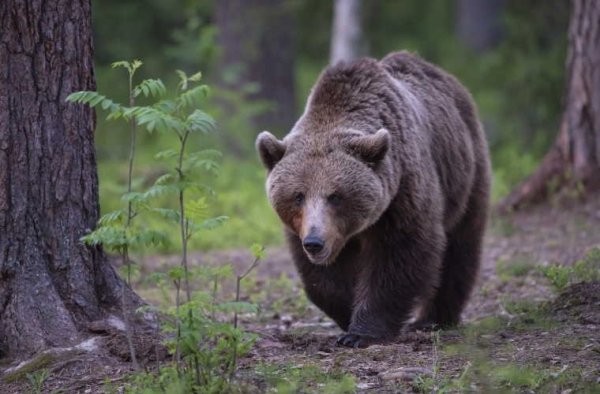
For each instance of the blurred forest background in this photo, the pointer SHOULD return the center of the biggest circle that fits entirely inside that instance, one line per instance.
(261, 58)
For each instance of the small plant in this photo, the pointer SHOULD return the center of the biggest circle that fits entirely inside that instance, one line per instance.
(116, 229)
(37, 379)
(584, 270)
(514, 268)
(203, 338)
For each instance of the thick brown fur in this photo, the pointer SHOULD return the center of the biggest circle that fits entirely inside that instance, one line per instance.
(389, 168)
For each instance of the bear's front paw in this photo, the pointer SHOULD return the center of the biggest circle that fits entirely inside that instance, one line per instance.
(355, 341)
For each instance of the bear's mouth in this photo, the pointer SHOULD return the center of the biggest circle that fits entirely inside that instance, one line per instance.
(321, 258)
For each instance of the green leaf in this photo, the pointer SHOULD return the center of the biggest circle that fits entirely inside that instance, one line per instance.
(238, 307)
(111, 218)
(123, 64)
(205, 160)
(160, 190)
(207, 224)
(166, 106)
(133, 197)
(166, 154)
(207, 165)
(196, 77)
(258, 251)
(154, 87)
(176, 273)
(196, 210)
(170, 214)
(148, 237)
(192, 97)
(112, 237)
(200, 121)
(130, 67)
(165, 179)
(182, 79)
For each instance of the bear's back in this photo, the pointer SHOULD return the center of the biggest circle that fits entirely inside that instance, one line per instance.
(456, 135)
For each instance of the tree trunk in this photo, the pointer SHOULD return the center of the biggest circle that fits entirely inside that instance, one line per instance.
(346, 35)
(479, 23)
(257, 39)
(574, 159)
(51, 285)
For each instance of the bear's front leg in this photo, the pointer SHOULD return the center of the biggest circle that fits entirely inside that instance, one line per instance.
(329, 287)
(395, 279)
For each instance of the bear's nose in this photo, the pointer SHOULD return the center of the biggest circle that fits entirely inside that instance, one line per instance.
(312, 244)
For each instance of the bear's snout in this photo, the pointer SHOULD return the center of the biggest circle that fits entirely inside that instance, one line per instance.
(312, 244)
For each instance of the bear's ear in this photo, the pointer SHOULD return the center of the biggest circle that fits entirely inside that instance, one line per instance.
(371, 148)
(270, 149)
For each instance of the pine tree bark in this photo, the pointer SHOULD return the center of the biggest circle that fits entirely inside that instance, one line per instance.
(575, 156)
(51, 284)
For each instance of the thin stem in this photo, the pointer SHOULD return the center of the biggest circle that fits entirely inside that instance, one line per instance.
(237, 287)
(130, 214)
(132, 133)
(184, 226)
(125, 302)
(235, 315)
(178, 340)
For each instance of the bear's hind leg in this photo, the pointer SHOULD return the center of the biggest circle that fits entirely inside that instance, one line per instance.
(460, 267)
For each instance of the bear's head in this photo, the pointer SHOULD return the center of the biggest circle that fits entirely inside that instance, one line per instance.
(326, 190)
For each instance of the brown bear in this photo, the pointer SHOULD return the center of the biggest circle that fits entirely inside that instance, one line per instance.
(383, 187)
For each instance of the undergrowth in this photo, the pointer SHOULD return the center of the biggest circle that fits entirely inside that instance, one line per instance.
(200, 331)
(584, 270)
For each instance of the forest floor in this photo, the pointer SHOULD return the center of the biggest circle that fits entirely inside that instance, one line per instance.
(521, 331)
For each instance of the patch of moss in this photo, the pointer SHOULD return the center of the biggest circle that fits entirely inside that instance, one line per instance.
(513, 268)
(41, 361)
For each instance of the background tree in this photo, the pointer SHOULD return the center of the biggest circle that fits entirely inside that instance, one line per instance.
(346, 33)
(479, 23)
(51, 285)
(575, 156)
(257, 41)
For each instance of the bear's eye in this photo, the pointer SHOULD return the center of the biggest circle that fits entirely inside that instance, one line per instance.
(298, 198)
(334, 199)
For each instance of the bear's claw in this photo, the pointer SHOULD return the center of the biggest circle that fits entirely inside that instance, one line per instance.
(353, 340)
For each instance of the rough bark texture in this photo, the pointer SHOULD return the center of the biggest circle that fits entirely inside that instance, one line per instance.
(346, 35)
(257, 38)
(575, 155)
(51, 285)
(479, 23)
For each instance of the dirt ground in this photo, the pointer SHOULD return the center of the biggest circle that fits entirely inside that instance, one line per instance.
(518, 333)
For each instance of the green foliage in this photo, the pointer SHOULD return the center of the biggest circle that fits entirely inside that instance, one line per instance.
(37, 379)
(307, 378)
(204, 342)
(584, 270)
(514, 268)
(199, 330)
